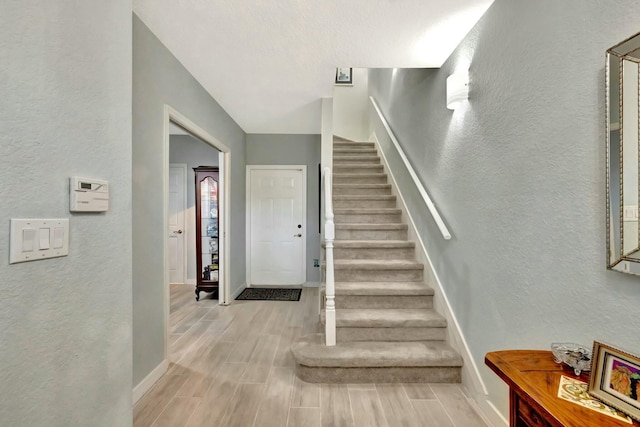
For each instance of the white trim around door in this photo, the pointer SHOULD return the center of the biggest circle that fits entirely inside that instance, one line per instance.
(303, 221)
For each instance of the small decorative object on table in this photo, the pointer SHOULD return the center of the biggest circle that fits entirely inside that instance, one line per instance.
(575, 355)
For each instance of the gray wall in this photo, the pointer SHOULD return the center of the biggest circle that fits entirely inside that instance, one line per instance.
(276, 149)
(159, 80)
(519, 177)
(65, 323)
(192, 152)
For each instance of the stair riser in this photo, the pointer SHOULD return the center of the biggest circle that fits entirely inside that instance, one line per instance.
(359, 168)
(355, 191)
(390, 334)
(362, 275)
(367, 219)
(373, 253)
(381, 301)
(364, 179)
(365, 204)
(343, 152)
(365, 375)
(354, 145)
(368, 318)
(360, 160)
(339, 152)
(350, 234)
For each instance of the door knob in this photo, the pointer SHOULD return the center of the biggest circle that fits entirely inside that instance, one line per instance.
(297, 235)
(177, 232)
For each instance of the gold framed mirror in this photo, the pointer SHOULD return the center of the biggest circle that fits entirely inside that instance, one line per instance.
(623, 155)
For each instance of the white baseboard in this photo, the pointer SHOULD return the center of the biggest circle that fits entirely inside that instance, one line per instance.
(311, 285)
(191, 282)
(489, 413)
(471, 378)
(146, 384)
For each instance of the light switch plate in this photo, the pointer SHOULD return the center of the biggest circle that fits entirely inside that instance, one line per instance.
(46, 235)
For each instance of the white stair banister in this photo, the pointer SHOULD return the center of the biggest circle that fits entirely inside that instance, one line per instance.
(329, 237)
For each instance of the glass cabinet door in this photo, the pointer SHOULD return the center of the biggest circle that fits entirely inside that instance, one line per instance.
(207, 224)
(209, 228)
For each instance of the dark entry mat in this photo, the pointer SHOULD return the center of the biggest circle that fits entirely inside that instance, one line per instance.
(270, 294)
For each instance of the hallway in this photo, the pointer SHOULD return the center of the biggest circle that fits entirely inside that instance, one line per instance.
(234, 368)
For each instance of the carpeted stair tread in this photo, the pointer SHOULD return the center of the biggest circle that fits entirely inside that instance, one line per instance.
(377, 244)
(366, 201)
(365, 189)
(357, 168)
(383, 288)
(373, 186)
(366, 211)
(341, 140)
(355, 146)
(376, 264)
(363, 197)
(311, 351)
(364, 151)
(359, 175)
(358, 158)
(387, 318)
(390, 226)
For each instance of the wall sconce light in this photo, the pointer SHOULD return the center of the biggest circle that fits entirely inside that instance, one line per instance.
(457, 89)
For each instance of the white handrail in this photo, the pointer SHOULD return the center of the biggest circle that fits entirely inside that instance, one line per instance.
(425, 196)
(329, 237)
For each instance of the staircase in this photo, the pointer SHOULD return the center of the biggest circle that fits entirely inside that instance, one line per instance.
(387, 330)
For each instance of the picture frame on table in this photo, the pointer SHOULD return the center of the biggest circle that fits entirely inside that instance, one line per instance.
(344, 76)
(615, 378)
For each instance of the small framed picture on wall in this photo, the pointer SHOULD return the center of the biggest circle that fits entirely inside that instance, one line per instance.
(344, 76)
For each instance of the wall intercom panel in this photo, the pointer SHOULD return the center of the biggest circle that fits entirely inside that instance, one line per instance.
(88, 195)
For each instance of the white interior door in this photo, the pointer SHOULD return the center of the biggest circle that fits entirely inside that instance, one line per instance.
(277, 226)
(177, 234)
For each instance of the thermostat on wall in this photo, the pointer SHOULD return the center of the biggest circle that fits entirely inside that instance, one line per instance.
(88, 195)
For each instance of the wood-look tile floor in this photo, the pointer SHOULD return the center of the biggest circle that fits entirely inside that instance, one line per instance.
(231, 366)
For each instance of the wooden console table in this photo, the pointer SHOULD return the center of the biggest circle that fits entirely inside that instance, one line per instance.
(533, 379)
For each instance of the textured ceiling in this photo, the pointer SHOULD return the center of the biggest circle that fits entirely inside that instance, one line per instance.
(268, 63)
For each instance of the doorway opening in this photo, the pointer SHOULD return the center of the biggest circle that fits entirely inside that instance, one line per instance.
(187, 146)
